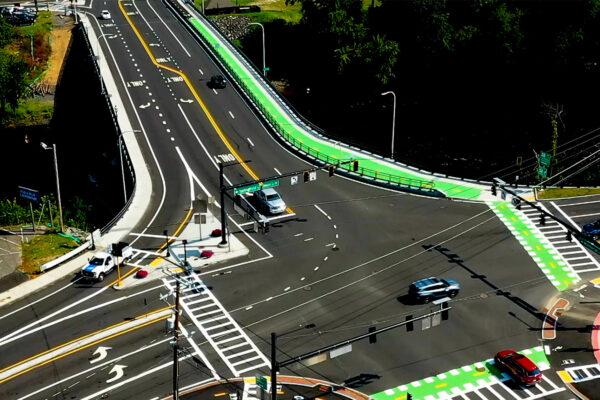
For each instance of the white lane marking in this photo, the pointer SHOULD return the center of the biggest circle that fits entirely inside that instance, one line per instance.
(215, 90)
(580, 204)
(120, 371)
(162, 177)
(142, 15)
(202, 73)
(276, 170)
(169, 29)
(585, 215)
(13, 335)
(250, 141)
(8, 339)
(43, 298)
(269, 255)
(299, 234)
(323, 212)
(99, 366)
(232, 116)
(366, 263)
(330, 244)
(308, 239)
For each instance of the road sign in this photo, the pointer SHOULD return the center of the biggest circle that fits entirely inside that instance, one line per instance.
(261, 381)
(294, 180)
(247, 189)
(29, 194)
(313, 175)
(545, 159)
(272, 183)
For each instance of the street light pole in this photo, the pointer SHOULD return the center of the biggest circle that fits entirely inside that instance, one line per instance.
(60, 213)
(263, 45)
(393, 119)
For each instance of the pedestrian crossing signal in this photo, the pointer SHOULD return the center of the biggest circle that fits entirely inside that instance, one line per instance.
(355, 166)
(306, 176)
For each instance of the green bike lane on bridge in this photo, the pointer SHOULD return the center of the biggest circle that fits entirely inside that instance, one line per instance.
(372, 167)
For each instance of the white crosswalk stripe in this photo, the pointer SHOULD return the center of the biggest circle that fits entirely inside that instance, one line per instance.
(223, 333)
(575, 255)
(585, 372)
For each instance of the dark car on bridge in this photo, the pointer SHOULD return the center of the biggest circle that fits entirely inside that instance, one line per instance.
(519, 367)
(592, 229)
(217, 82)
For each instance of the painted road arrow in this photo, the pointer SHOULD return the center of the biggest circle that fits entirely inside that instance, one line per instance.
(145, 105)
(102, 351)
(186, 101)
(119, 370)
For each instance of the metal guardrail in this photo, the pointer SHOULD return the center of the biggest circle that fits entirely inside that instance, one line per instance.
(65, 257)
(126, 156)
(371, 175)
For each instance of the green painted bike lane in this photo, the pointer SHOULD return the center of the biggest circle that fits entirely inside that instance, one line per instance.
(461, 380)
(324, 150)
(539, 248)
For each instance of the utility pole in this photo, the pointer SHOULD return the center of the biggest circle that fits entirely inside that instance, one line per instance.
(176, 345)
(274, 366)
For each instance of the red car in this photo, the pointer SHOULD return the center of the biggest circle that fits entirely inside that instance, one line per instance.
(521, 368)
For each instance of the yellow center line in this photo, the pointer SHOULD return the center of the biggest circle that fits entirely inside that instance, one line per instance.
(84, 346)
(198, 99)
(441, 385)
(479, 373)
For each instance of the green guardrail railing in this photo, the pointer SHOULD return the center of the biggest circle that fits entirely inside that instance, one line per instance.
(321, 150)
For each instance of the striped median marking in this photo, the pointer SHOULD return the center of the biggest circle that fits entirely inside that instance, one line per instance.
(460, 380)
(537, 246)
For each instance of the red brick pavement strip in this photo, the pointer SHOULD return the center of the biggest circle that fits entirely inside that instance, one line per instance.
(549, 331)
(596, 338)
(293, 380)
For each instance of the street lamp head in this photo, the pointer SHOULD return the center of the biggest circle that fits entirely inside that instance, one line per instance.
(45, 146)
(388, 92)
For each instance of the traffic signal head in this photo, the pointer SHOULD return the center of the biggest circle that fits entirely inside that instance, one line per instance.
(493, 190)
(306, 176)
(355, 166)
(331, 170)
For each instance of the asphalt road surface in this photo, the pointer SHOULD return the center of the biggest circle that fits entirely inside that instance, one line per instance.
(339, 261)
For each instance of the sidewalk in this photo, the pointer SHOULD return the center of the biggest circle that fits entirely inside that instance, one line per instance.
(191, 252)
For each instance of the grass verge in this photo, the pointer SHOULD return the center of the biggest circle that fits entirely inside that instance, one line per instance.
(42, 249)
(31, 112)
(566, 192)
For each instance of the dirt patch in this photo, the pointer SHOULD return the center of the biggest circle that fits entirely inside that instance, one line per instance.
(60, 39)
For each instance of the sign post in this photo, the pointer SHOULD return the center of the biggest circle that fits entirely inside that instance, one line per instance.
(32, 196)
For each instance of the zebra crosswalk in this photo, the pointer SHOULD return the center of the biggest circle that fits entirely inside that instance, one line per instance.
(227, 338)
(572, 252)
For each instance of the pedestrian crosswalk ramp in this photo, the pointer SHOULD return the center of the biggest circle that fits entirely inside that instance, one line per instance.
(501, 389)
(584, 372)
(573, 253)
(223, 333)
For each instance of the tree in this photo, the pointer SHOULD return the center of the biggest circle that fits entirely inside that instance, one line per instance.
(6, 33)
(12, 80)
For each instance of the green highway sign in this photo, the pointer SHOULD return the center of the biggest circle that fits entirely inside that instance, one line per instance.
(268, 184)
(247, 189)
(542, 171)
(261, 381)
(545, 159)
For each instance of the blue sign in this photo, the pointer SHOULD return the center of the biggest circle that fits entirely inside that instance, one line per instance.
(29, 194)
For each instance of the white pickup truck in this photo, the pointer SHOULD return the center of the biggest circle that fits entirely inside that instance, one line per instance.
(102, 264)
